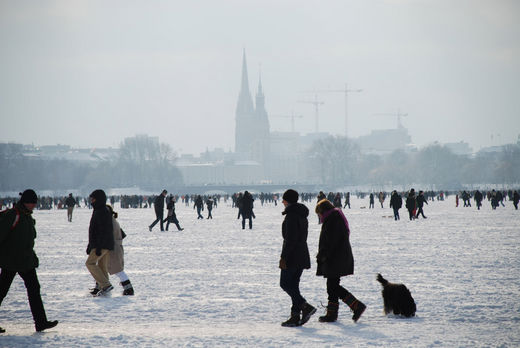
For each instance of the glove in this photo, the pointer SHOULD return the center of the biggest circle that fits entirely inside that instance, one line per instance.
(282, 264)
(88, 250)
(98, 251)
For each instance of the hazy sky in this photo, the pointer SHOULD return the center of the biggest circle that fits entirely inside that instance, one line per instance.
(89, 73)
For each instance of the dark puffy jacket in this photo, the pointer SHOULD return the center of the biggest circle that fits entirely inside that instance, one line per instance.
(335, 257)
(396, 202)
(295, 251)
(410, 202)
(159, 204)
(16, 245)
(246, 206)
(100, 230)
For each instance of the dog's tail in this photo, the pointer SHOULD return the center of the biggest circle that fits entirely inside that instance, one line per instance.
(382, 280)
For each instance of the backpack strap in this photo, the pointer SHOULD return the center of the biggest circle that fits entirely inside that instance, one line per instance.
(16, 219)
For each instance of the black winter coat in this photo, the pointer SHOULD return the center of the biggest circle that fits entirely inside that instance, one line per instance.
(100, 231)
(159, 205)
(410, 203)
(246, 206)
(295, 251)
(396, 202)
(334, 257)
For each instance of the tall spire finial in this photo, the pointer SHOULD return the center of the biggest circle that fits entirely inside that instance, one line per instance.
(260, 79)
(244, 88)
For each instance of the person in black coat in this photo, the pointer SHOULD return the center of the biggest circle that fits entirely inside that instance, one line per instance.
(199, 204)
(159, 210)
(420, 203)
(335, 260)
(396, 202)
(295, 257)
(516, 199)
(100, 242)
(246, 209)
(411, 204)
(172, 217)
(478, 199)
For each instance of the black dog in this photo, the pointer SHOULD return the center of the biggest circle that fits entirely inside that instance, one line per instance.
(397, 298)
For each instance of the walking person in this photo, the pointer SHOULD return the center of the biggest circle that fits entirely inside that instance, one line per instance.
(347, 200)
(516, 199)
(172, 217)
(295, 257)
(396, 202)
(199, 204)
(159, 210)
(420, 202)
(100, 242)
(116, 264)
(478, 199)
(246, 209)
(335, 260)
(209, 206)
(371, 201)
(70, 202)
(17, 234)
(411, 204)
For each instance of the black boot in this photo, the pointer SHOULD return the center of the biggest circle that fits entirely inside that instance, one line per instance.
(307, 312)
(293, 321)
(95, 290)
(127, 288)
(355, 305)
(332, 313)
(46, 325)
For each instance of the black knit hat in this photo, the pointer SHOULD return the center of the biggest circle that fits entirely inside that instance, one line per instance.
(99, 195)
(290, 196)
(28, 196)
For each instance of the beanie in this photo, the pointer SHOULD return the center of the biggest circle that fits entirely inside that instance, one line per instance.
(99, 195)
(28, 196)
(290, 196)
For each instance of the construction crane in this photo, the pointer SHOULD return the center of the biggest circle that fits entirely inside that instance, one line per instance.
(398, 114)
(316, 104)
(292, 117)
(345, 91)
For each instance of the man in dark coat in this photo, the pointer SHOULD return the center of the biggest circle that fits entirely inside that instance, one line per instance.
(159, 210)
(411, 204)
(17, 234)
(420, 203)
(100, 242)
(335, 260)
(516, 199)
(199, 204)
(246, 209)
(396, 202)
(295, 257)
(70, 202)
(478, 199)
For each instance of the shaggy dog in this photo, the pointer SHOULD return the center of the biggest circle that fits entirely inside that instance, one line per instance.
(397, 298)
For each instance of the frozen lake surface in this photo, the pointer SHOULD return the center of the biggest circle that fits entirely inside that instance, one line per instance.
(216, 285)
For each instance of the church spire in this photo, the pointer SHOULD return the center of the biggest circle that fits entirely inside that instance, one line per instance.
(244, 88)
(245, 101)
(260, 91)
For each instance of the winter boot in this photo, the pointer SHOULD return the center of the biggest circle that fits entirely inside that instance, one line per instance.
(293, 321)
(46, 325)
(95, 290)
(127, 287)
(105, 290)
(307, 312)
(332, 313)
(355, 305)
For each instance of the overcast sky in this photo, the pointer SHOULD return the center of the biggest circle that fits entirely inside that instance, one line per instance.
(90, 73)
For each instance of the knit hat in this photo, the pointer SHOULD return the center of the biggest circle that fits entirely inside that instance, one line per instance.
(28, 196)
(290, 196)
(323, 206)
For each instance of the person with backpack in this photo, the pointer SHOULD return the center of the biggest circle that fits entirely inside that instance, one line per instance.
(17, 256)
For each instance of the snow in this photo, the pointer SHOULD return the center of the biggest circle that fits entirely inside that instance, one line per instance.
(216, 285)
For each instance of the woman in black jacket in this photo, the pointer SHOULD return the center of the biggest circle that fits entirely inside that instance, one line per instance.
(295, 257)
(335, 260)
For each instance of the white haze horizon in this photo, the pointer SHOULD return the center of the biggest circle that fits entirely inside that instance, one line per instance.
(91, 73)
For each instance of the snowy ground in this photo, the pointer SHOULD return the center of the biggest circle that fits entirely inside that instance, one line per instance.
(214, 284)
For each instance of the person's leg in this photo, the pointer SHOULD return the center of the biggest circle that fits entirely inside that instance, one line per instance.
(35, 300)
(250, 222)
(162, 222)
(6, 279)
(290, 283)
(100, 275)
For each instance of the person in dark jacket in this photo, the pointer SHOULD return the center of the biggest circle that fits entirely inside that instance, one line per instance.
(411, 204)
(209, 205)
(159, 210)
(70, 202)
(420, 203)
(516, 199)
(478, 199)
(199, 204)
(172, 217)
(100, 242)
(17, 234)
(396, 202)
(295, 257)
(246, 209)
(335, 260)
(371, 201)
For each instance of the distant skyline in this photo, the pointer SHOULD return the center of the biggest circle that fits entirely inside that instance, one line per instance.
(90, 73)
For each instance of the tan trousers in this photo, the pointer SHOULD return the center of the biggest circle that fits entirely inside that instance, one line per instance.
(69, 213)
(97, 266)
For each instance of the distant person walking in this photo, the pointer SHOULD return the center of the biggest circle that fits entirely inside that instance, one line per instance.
(172, 217)
(199, 204)
(17, 234)
(371, 201)
(347, 200)
(335, 260)
(420, 203)
(516, 199)
(411, 204)
(100, 242)
(246, 207)
(478, 199)
(209, 206)
(295, 257)
(70, 202)
(159, 210)
(396, 202)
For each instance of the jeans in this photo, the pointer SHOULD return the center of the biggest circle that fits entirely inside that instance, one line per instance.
(290, 283)
(335, 291)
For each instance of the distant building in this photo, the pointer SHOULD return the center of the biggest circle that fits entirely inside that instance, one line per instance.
(460, 148)
(382, 141)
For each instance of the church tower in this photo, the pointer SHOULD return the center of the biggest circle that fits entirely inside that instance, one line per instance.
(244, 114)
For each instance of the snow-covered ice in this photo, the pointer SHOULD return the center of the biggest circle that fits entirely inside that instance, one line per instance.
(214, 284)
